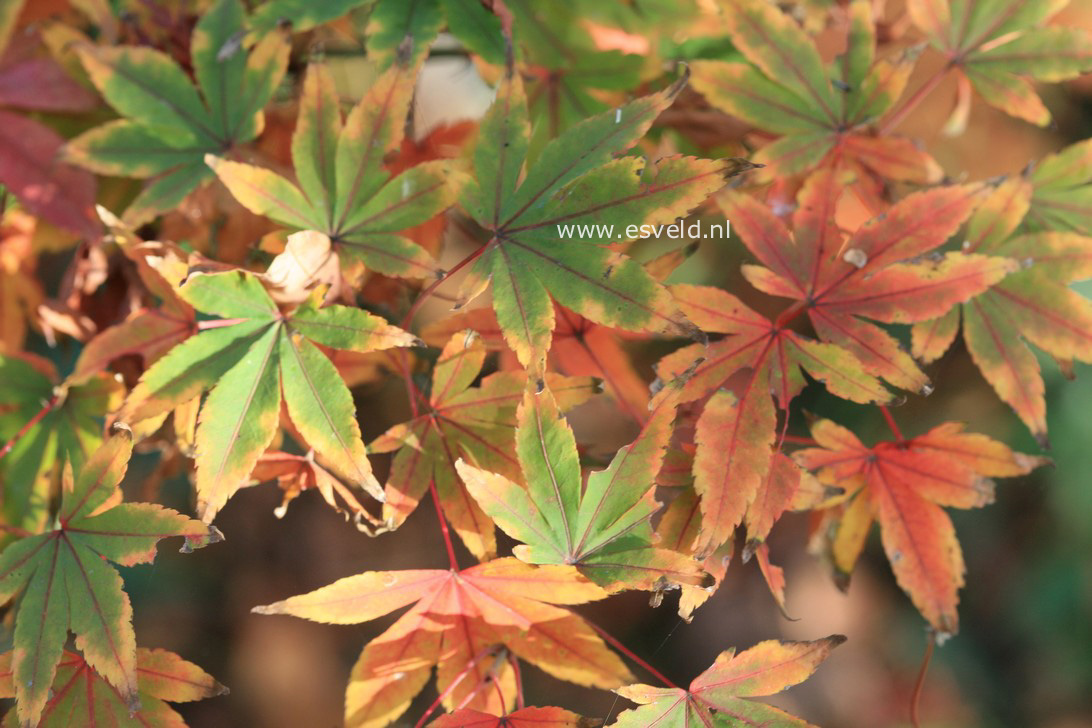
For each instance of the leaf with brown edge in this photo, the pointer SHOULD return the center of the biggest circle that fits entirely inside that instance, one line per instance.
(1001, 46)
(461, 622)
(80, 696)
(246, 361)
(720, 696)
(905, 484)
(604, 528)
(530, 258)
(168, 123)
(345, 189)
(677, 530)
(461, 421)
(66, 584)
(295, 474)
(530, 717)
(845, 283)
(784, 88)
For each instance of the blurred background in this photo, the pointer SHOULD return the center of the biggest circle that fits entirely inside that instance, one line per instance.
(1024, 653)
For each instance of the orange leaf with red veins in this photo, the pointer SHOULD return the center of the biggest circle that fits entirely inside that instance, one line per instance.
(464, 623)
(876, 274)
(906, 483)
(80, 696)
(461, 421)
(1034, 304)
(720, 695)
(677, 530)
(522, 718)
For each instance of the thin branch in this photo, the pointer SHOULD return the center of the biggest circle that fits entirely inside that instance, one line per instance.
(920, 684)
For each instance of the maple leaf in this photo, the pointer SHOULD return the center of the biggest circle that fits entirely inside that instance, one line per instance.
(1062, 196)
(873, 274)
(398, 29)
(45, 425)
(67, 584)
(837, 283)
(904, 484)
(677, 530)
(245, 361)
(719, 696)
(1034, 303)
(823, 113)
(602, 529)
(458, 620)
(168, 125)
(477, 423)
(344, 189)
(530, 717)
(999, 46)
(575, 181)
(80, 696)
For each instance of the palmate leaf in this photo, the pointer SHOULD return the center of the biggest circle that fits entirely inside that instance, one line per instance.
(245, 364)
(603, 529)
(576, 181)
(462, 622)
(68, 432)
(786, 89)
(80, 696)
(1061, 199)
(344, 189)
(168, 125)
(475, 423)
(838, 283)
(720, 695)
(66, 584)
(903, 485)
(1001, 46)
(1034, 303)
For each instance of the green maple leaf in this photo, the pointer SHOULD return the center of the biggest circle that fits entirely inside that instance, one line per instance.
(344, 191)
(577, 180)
(67, 584)
(169, 125)
(477, 423)
(787, 89)
(81, 696)
(247, 363)
(1000, 46)
(68, 432)
(603, 529)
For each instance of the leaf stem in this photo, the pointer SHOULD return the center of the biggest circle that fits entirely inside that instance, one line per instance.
(913, 101)
(920, 684)
(514, 662)
(45, 410)
(631, 655)
(408, 319)
(443, 525)
(219, 323)
(796, 440)
(892, 424)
